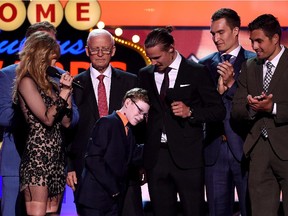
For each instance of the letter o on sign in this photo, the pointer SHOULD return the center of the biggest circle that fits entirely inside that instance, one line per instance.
(12, 15)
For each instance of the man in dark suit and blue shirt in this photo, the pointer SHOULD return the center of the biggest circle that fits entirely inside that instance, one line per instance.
(224, 161)
(110, 150)
(173, 150)
(261, 99)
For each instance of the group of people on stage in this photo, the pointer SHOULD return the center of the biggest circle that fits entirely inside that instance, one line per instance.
(178, 125)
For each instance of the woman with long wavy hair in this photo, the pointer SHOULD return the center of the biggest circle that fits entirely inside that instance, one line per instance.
(46, 106)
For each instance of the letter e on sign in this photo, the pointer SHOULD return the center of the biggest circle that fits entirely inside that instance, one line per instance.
(82, 14)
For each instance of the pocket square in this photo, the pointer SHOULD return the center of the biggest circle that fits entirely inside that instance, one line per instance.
(184, 85)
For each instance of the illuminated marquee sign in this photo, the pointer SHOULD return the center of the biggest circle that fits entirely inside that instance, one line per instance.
(80, 14)
(69, 49)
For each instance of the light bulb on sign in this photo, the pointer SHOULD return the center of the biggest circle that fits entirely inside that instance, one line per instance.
(100, 25)
(135, 38)
(118, 32)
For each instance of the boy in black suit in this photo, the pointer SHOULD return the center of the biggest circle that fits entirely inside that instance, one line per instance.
(111, 149)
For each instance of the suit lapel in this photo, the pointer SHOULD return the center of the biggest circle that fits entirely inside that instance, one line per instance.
(89, 93)
(130, 145)
(258, 74)
(127, 139)
(238, 62)
(154, 89)
(114, 93)
(180, 79)
(214, 62)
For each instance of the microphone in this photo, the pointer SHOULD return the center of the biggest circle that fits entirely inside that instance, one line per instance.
(53, 72)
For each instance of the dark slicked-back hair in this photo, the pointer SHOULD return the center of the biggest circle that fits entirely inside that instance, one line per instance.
(231, 16)
(160, 36)
(268, 23)
(40, 26)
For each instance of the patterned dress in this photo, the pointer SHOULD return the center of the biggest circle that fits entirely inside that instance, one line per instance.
(43, 161)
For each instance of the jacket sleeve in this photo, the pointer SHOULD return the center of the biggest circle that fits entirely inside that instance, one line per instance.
(6, 103)
(240, 109)
(212, 108)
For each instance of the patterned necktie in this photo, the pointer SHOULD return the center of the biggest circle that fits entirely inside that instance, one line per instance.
(165, 84)
(102, 99)
(266, 82)
(268, 76)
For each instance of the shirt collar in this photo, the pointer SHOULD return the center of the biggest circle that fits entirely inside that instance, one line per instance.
(176, 63)
(95, 73)
(123, 118)
(277, 57)
(234, 52)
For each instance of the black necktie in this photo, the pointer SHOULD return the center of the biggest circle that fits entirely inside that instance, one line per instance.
(165, 84)
(226, 57)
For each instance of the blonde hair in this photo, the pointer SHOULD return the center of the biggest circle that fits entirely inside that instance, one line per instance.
(39, 50)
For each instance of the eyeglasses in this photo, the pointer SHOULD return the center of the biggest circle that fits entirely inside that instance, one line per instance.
(140, 111)
(96, 51)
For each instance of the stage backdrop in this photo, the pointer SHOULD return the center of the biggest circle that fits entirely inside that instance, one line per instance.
(74, 19)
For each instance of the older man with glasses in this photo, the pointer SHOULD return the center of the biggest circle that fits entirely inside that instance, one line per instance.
(104, 88)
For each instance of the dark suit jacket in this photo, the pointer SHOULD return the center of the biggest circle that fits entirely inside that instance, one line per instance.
(195, 88)
(251, 82)
(235, 132)
(109, 153)
(85, 99)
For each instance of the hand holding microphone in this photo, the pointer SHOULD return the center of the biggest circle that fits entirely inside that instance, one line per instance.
(53, 72)
(66, 80)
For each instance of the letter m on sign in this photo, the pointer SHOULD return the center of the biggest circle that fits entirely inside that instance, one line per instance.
(50, 11)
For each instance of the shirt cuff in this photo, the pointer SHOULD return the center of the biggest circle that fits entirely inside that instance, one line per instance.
(274, 110)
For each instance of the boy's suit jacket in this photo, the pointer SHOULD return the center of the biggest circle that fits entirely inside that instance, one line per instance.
(108, 155)
(86, 101)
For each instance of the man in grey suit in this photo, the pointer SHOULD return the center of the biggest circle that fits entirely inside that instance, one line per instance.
(261, 99)
(223, 153)
(100, 49)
